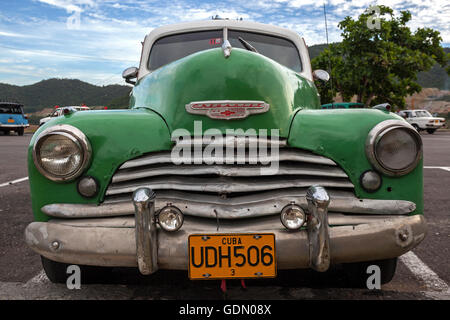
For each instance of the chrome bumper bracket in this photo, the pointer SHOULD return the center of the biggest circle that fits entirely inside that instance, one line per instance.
(318, 233)
(146, 231)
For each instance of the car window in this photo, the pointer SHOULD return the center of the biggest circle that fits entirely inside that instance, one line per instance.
(174, 47)
(281, 50)
(10, 109)
(423, 114)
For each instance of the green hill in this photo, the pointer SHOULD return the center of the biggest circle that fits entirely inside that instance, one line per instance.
(63, 92)
(436, 77)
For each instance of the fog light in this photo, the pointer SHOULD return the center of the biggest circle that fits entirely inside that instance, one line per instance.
(292, 217)
(170, 218)
(87, 187)
(370, 181)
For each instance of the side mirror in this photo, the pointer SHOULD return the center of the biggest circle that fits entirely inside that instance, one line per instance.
(321, 75)
(130, 73)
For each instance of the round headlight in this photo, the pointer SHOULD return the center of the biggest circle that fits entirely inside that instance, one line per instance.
(170, 218)
(61, 153)
(394, 147)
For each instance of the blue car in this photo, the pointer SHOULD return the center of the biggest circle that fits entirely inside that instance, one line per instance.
(12, 118)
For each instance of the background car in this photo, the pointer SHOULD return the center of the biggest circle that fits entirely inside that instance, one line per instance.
(60, 111)
(422, 120)
(12, 118)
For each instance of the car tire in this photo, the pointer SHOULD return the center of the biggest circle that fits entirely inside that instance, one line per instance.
(357, 276)
(57, 272)
(20, 131)
(416, 127)
(431, 131)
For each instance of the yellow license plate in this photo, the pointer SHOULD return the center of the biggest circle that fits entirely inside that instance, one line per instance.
(436, 121)
(11, 120)
(228, 256)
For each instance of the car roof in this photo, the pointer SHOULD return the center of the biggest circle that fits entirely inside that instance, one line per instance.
(215, 24)
(11, 104)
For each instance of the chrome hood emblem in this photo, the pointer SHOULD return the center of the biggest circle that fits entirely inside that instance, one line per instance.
(227, 109)
(226, 46)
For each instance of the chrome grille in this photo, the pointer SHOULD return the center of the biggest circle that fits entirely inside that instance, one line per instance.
(298, 169)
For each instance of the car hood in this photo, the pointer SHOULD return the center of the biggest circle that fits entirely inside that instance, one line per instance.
(209, 76)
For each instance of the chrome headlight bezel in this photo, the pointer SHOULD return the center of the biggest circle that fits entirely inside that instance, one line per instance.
(375, 136)
(76, 136)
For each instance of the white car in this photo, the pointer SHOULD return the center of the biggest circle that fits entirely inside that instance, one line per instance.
(60, 111)
(422, 120)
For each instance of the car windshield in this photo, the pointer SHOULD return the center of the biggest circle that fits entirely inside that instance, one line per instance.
(11, 109)
(423, 113)
(174, 47)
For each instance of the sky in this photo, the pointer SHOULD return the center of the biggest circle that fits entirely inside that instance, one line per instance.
(95, 40)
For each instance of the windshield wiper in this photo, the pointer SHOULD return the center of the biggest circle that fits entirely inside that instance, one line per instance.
(247, 45)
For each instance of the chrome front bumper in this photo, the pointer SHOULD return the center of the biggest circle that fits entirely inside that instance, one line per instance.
(129, 241)
(13, 126)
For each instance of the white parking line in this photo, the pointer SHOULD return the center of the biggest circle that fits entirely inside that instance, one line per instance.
(13, 182)
(423, 272)
(443, 168)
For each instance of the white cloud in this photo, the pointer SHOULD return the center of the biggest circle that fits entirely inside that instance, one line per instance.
(11, 34)
(70, 5)
(110, 31)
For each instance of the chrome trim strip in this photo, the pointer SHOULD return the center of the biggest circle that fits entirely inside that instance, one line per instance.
(334, 219)
(228, 171)
(226, 184)
(232, 141)
(284, 155)
(263, 204)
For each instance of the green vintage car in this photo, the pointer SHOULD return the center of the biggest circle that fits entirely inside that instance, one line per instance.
(225, 166)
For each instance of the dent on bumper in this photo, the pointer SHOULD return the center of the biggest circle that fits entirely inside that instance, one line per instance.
(112, 241)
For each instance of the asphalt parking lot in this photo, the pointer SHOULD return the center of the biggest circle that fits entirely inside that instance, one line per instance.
(422, 274)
